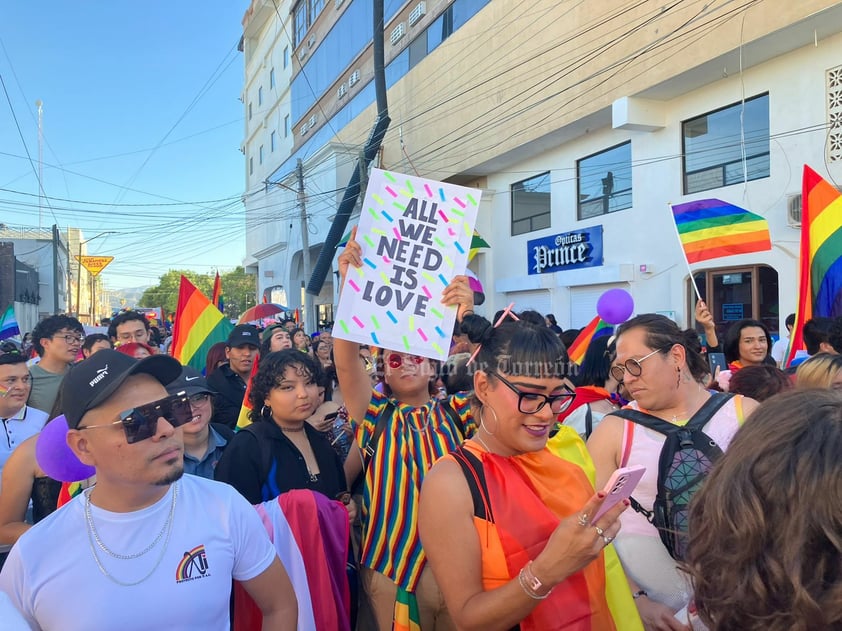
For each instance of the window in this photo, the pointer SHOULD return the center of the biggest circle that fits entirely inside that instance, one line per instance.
(260, 96)
(316, 7)
(300, 22)
(260, 154)
(286, 56)
(531, 204)
(727, 146)
(272, 138)
(605, 181)
(250, 110)
(251, 166)
(286, 126)
(272, 78)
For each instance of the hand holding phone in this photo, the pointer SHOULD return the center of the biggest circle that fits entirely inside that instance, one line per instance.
(619, 487)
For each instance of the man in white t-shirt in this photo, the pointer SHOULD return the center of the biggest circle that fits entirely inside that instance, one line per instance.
(146, 547)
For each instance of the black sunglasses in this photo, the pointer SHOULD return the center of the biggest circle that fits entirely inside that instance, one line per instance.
(533, 402)
(141, 422)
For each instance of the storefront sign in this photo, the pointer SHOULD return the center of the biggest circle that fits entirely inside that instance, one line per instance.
(733, 311)
(569, 250)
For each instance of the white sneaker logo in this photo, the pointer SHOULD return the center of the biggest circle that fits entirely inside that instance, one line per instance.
(191, 378)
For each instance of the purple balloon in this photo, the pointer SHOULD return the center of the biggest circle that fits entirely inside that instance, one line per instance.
(615, 306)
(54, 456)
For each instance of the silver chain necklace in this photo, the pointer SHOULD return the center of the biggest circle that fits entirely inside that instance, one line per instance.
(94, 536)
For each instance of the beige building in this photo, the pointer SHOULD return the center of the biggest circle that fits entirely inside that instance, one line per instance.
(579, 120)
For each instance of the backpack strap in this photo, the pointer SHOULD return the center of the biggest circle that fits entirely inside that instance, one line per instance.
(379, 427)
(475, 477)
(697, 421)
(706, 412)
(588, 421)
(457, 421)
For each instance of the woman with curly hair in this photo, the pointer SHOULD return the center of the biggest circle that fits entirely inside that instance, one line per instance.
(765, 547)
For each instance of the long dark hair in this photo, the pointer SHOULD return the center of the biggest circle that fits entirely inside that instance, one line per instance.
(662, 334)
(765, 546)
(271, 371)
(731, 345)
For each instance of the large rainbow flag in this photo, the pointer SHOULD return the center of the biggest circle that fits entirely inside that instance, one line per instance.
(820, 261)
(595, 328)
(710, 228)
(198, 326)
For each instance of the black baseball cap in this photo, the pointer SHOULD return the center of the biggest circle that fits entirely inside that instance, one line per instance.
(190, 382)
(244, 334)
(90, 382)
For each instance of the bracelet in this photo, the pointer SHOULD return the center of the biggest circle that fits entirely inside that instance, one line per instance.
(531, 583)
(639, 593)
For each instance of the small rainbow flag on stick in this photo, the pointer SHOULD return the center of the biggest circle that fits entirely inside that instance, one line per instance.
(710, 228)
(820, 270)
(595, 328)
(243, 419)
(198, 326)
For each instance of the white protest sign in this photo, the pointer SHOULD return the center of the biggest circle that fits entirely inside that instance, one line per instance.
(415, 236)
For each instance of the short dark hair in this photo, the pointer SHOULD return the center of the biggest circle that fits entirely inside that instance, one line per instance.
(596, 363)
(12, 358)
(51, 325)
(126, 316)
(93, 338)
(834, 335)
(271, 369)
(790, 320)
(662, 334)
(814, 332)
(731, 346)
(759, 382)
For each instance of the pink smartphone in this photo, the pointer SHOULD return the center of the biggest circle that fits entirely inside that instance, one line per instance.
(619, 487)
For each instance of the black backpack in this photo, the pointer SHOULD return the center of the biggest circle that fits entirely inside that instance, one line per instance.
(686, 458)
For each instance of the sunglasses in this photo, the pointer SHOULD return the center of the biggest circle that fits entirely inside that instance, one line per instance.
(396, 360)
(632, 366)
(533, 402)
(141, 422)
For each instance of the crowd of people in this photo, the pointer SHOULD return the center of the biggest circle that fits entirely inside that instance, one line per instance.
(339, 486)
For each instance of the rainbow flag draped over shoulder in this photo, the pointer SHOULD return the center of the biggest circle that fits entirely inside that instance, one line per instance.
(820, 261)
(595, 328)
(710, 228)
(198, 326)
(9, 324)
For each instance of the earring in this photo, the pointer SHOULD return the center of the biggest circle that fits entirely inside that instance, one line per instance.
(482, 420)
(263, 411)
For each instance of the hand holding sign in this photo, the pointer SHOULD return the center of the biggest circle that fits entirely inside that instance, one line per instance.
(408, 248)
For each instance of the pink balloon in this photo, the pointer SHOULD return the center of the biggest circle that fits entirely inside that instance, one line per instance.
(54, 456)
(615, 306)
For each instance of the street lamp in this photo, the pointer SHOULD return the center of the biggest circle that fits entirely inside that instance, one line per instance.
(79, 279)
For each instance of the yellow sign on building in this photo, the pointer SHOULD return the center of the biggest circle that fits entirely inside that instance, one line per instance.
(94, 264)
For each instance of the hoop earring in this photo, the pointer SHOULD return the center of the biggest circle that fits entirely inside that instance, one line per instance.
(263, 411)
(482, 420)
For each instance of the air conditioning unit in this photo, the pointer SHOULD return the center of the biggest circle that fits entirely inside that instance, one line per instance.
(302, 54)
(342, 91)
(304, 128)
(311, 42)
(793, 210)
(354, 78)
(417, 13)
(312, 121)
(397, 33)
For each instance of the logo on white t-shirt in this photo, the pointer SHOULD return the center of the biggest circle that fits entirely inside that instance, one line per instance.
(193, 565)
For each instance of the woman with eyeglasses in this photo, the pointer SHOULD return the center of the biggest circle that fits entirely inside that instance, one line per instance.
(663, 371)
(511, 530)
(404, 429)
(204, 442)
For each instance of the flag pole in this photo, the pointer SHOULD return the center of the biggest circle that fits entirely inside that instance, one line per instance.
(683, 253)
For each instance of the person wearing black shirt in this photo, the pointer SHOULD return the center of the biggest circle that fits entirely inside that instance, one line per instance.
(229, 380)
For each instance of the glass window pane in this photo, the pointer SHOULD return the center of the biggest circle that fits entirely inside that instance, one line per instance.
(436, 33)
(531, 204)
(464, 10)
(714, 145)
(605, 181)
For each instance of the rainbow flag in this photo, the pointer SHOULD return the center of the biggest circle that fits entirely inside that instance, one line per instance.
(243, 419)
(595, 328)
(198, 326)
(710, 228)
(820, 267)
(406, 617)
(216, 298)
(9, 324)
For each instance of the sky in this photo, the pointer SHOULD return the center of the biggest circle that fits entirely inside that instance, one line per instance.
(142, 125)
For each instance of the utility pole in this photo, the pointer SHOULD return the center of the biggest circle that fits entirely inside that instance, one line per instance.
(55, 269)
(309, 320)
(40, 105)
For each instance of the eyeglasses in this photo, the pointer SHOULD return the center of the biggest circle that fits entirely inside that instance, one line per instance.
(633, 366)
(141, 422)
(138, 336)
(70, 339)
(396, 360)
(202, 397)
(533, 402)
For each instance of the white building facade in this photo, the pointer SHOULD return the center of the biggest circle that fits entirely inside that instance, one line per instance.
(581, 124)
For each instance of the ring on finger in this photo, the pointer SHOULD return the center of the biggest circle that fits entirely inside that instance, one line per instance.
(607, 540)
(599, 531)
(583, 519)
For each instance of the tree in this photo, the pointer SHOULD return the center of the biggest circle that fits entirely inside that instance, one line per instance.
(238, 290)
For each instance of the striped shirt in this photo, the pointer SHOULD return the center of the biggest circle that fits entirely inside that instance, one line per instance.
(409, 446)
